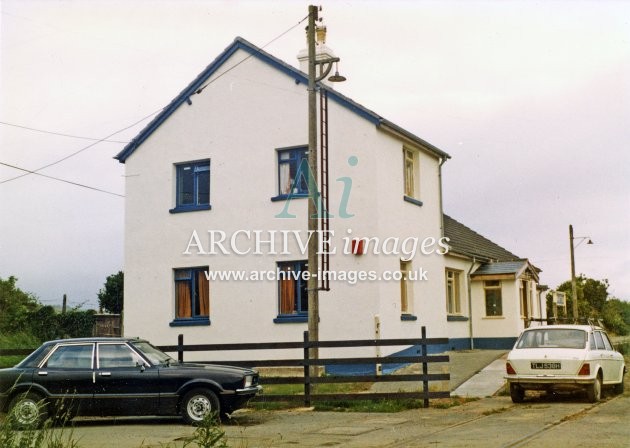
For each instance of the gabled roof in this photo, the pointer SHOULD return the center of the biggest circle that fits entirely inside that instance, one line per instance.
(300, 77)
(467, 242)
(506, 268)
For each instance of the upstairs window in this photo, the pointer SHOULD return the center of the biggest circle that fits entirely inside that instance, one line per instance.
(411, 176)
(192, 186)
(410, 173)
(293, 172)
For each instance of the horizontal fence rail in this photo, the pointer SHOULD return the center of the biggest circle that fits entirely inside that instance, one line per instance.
(308, 364)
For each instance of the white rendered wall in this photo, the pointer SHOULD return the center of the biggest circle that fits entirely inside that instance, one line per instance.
(238, 122)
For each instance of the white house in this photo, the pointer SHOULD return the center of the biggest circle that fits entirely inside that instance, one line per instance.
(219, 166)
(214, 189)
(491, 294)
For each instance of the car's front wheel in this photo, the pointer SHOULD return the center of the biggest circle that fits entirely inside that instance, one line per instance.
(594, 391)
(198, 403)
(517, 393)
(28, 410)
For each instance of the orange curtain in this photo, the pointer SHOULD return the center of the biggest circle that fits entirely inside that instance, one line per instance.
(183, 300)
(287, 295)
(203, 291)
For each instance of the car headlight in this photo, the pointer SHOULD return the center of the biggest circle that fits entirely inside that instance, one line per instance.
(248, 381)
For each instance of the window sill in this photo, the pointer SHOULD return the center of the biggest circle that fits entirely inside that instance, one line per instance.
(408, 317)
(202, 321)
(190, 208)
(291, 319)
(284, 197)
(493, 317)
(456, 318)
(412, 200)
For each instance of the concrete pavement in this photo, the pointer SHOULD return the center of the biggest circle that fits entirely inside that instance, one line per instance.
(540, 422)
(475, 372)
(485, 383)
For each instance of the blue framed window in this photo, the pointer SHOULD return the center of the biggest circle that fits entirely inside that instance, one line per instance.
(192, 296)
(292, 292)
(192, 186)
(293, 172)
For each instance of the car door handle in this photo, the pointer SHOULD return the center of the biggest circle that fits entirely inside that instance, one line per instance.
(42, 373)
(105, 374)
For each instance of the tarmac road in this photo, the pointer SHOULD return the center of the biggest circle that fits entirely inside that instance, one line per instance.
(490, 422)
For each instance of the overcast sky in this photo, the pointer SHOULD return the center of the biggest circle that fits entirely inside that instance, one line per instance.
(531, 99)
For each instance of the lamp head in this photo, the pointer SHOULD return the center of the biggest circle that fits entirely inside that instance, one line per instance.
(337, 77)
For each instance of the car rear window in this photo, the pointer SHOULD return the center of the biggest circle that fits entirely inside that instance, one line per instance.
(552, 338)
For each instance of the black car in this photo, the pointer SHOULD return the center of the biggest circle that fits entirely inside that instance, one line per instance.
(119, 376)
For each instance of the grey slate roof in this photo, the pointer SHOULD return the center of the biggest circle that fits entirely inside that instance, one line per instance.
(501, 267)
(299, 77)
(467, 242)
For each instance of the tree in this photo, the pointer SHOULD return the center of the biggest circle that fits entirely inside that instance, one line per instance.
(15, 306)
(110, 297)
(616, 315)
(591, 295)
(594, 303)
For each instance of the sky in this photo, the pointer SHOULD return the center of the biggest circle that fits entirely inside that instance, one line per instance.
(531, 99)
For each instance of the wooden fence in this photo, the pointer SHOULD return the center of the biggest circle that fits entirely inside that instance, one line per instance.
(308, 380)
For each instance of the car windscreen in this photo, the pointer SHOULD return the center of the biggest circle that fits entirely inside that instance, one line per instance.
(553, 338)
(153, 354)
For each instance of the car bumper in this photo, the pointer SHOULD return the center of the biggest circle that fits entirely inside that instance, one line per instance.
(253, 390)
(549, 382)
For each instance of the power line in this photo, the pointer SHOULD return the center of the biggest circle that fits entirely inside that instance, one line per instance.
(201, 89)
(59, 133)
(79, 151)
(36, 171)
(27, 172)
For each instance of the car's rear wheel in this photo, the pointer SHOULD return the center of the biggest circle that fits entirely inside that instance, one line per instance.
(28, 410)
(594, 391)
(618, 388)
(517, 393)
(198, 403)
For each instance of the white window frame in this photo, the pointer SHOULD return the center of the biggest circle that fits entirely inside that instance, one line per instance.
(453, 292)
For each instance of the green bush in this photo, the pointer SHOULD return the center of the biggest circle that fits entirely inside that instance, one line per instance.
(16, 340)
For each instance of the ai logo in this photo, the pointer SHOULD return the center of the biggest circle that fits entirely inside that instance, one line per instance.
(304, 172)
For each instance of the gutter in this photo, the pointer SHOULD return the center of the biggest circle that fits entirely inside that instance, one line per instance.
(442, 162)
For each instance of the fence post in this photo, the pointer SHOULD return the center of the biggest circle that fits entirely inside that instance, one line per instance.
(307, 372)
(180, 347)
(425, 370)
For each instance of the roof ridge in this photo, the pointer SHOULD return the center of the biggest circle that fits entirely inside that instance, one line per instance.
(242, 43)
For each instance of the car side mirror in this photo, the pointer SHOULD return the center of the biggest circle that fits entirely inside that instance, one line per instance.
(141, 365)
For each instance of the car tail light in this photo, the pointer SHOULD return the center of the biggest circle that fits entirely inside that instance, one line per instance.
(585, 369)
(509, 369)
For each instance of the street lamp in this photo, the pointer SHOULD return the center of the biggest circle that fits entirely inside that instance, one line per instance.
(573, 283)
(314, 203)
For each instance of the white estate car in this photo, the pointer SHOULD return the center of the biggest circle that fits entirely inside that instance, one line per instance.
(564, 358)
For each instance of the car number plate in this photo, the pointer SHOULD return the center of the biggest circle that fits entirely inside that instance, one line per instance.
(546, 366)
